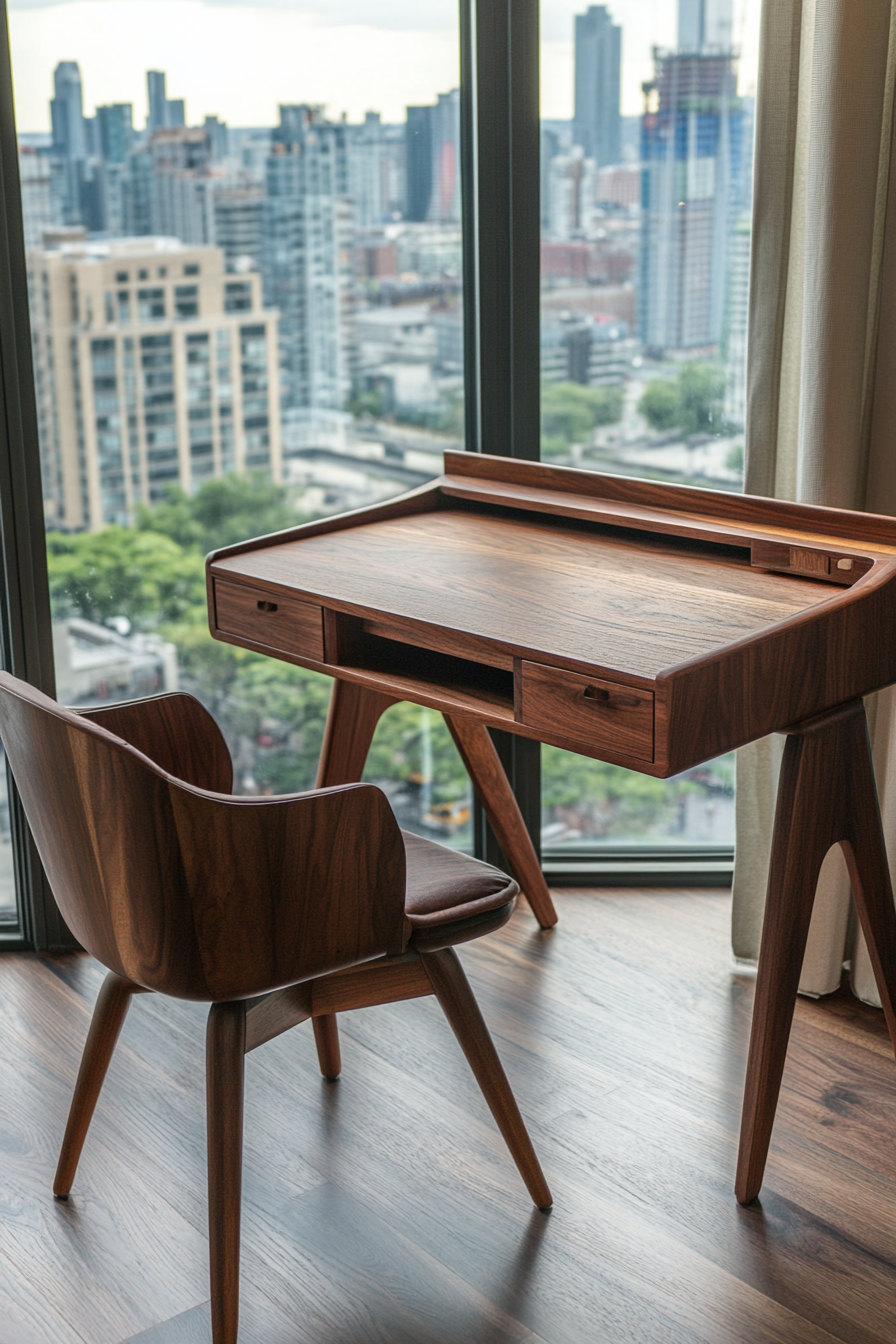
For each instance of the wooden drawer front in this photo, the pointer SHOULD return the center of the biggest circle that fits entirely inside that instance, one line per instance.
(279, 622)
(586, 709)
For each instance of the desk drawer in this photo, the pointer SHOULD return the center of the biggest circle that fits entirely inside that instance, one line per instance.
(588, 710)
(282, 623)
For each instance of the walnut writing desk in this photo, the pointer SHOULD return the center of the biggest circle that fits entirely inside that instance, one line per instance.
(652, 626)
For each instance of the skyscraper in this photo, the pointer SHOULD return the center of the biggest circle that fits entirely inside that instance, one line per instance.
(418, 163)
(598, 58)
(307, 261)
(692, 149)
(158, 100)
(163, 111)
(115, 124)
(444, 202)
(432, 161)
(705, 24)
(182, 190)
(69, 137)
(67, 112)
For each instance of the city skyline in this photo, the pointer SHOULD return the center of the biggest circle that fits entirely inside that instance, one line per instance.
(348, 66)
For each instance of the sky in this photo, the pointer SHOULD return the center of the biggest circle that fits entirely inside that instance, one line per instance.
(238, 60)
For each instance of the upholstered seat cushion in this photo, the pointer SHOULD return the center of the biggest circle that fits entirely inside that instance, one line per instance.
(444, 886)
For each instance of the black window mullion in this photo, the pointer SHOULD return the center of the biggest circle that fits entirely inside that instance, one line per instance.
(27, 639)
(500, 178)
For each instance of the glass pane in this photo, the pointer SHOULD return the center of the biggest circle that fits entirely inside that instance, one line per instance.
(646, 185)
(244, 256)
(9, 910)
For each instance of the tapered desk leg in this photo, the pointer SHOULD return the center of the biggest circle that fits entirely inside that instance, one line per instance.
(352, 718)
(826, 796)
(495, 794)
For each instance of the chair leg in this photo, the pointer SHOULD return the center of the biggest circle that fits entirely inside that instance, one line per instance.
(453, 992)
(105, 1026)
(326, 1038)
(225, 1072)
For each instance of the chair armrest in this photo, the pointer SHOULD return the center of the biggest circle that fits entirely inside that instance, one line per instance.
(284, 889)
(176, 732)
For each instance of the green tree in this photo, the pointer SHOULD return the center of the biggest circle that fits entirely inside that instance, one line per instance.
(144, 576)
(368, 402)
(660, 405)
(221, 512)
(570, 413)
(693, 403)
(397, 752)
(701, 393)
(604, 799)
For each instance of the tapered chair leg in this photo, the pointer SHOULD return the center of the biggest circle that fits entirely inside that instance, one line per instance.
(453, 992)
(225, 1071)
(826, 795)
(105, 1027)
(326, 1038)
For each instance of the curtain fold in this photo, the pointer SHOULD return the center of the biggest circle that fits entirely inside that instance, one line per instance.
(821, 370)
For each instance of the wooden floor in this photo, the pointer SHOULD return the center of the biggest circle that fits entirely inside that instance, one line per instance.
(384, 1208)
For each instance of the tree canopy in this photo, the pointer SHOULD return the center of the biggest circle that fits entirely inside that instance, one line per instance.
(570, 413)
(693, 402)
(221, 512)
(144, 576)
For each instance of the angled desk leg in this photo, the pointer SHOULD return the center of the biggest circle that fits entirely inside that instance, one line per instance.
(494, 792)
(826, 796)
(352, 718)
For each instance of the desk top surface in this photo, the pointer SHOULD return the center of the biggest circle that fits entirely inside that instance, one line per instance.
(638, 604)
(735, 616)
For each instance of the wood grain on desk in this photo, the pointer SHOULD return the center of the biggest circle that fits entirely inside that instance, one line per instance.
(491, 591)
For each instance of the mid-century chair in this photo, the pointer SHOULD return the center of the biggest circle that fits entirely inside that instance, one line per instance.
(274, 910)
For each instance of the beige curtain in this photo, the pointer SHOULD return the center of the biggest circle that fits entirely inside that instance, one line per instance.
(821, 373)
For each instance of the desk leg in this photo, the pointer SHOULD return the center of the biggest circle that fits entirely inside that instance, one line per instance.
(494, 792)
(352, 718)
(826, 796)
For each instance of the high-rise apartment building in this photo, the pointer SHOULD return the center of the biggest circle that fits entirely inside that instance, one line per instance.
(432, 161)
(571, 195)
(692, 151)
(115, 126)
(377, 171)
(307, 257)
(418, 163)
(238, 214)
(597, 125)
(444, 202)
(41, 205)
(153, 367)
(182, 190)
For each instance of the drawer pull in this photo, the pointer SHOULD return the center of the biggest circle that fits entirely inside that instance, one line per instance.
(267, 606)
(596, 693)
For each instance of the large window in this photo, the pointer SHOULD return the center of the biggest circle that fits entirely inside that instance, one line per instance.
(281, 255)
(646, 183)
(246, 304)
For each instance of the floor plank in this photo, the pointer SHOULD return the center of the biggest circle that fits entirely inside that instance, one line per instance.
(385, 1208)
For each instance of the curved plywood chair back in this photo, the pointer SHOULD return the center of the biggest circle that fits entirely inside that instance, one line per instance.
(104, 827)
(192, 893)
